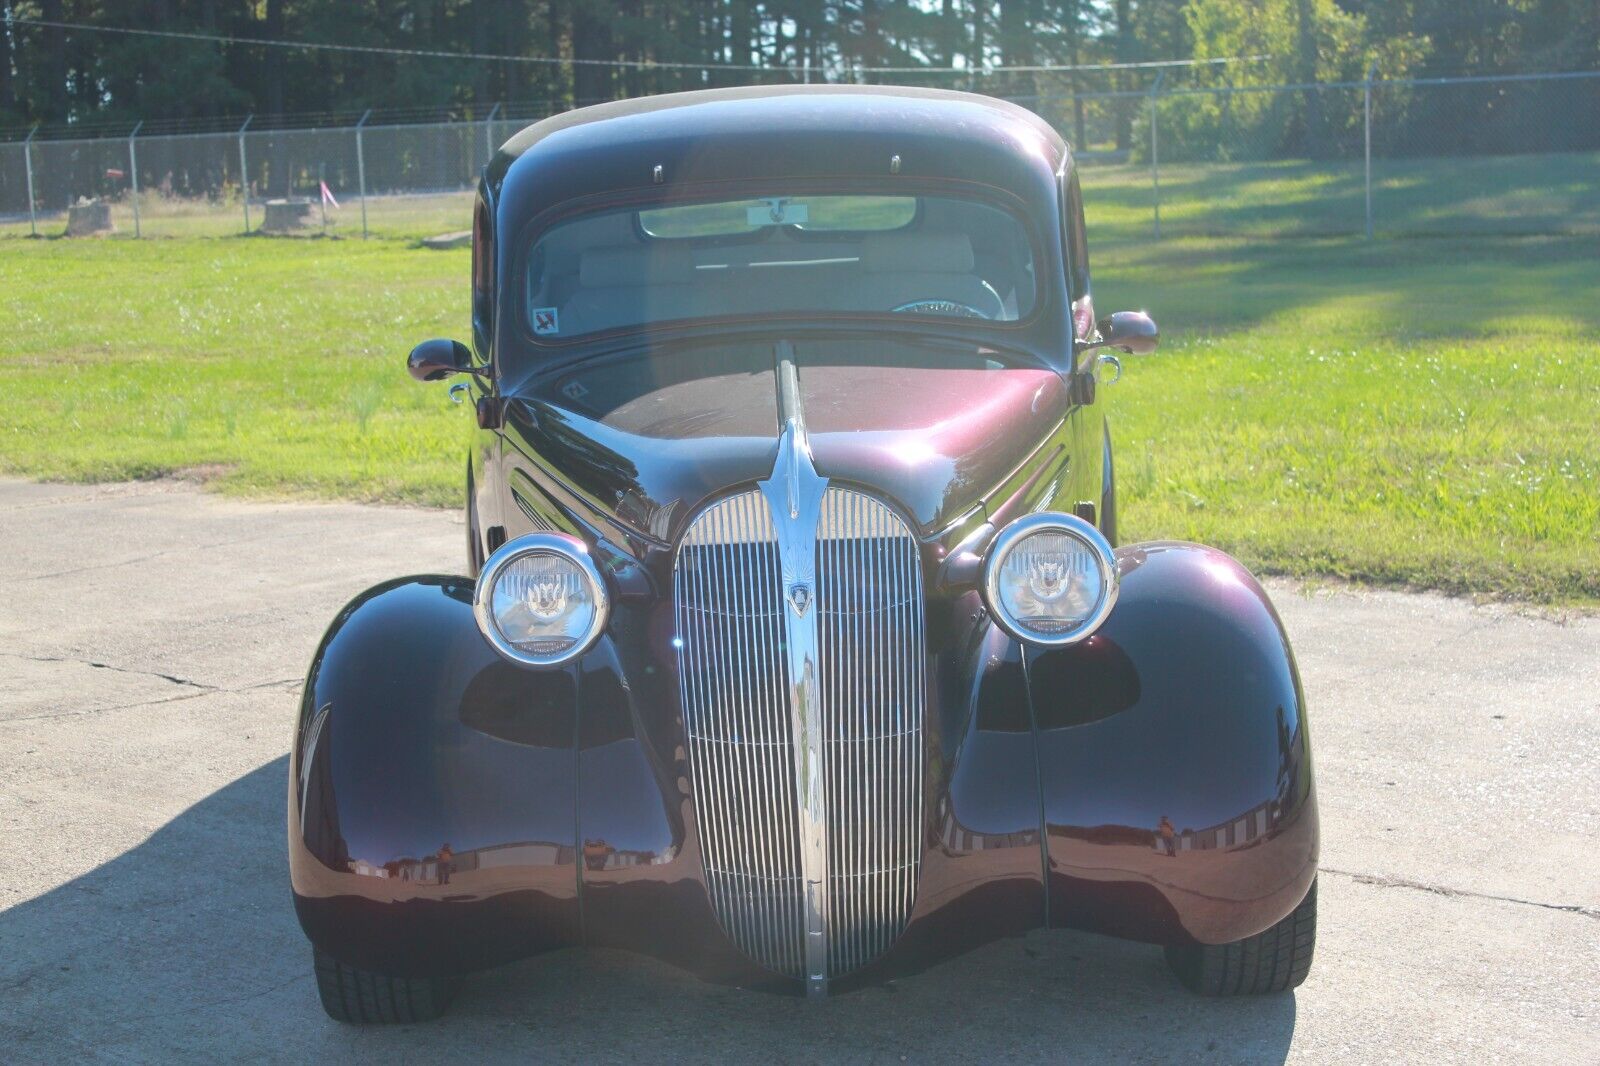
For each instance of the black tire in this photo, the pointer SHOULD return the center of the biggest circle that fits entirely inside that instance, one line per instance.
(362, 998)
(1108, 494)
(1273, 961)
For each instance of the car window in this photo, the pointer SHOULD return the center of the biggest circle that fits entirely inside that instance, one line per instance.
(1077, 240)
(778, 255)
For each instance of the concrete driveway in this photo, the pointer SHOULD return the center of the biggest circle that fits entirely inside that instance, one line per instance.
(152, 640)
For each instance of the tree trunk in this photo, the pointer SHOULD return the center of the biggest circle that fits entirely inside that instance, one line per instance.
(1016, 46)
(740, 36)
(273, 30)
(8, 88)
(979, 44)
(949, 32)
(54, 67)
(591, 39)
(1072, 14)
(1125, 54)
(872, 38)
(1306, 72)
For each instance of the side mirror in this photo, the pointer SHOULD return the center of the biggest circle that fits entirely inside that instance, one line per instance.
(1133, 332)
(439, 358)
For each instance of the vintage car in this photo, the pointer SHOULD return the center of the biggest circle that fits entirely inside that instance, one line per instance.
(792, 645)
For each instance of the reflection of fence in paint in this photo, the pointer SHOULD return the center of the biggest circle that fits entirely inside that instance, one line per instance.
(1469, 155)
(438, 868)
(434, 870)
(1235, 832)
(959, 838)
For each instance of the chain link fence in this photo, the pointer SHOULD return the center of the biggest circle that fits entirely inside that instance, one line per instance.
(1515, 155)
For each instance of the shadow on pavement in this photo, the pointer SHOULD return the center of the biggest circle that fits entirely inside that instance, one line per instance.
(186, 947)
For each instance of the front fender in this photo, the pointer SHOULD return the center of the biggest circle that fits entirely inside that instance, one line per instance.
(431, 790)
(1175, 765)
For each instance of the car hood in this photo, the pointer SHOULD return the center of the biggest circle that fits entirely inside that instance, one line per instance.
(649, 439)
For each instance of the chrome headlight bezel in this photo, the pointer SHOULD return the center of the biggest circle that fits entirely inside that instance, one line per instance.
(1050, 522)
(568, 548)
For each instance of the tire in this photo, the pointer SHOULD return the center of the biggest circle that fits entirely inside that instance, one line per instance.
(1108, 493)
(362, 998)
(1272, 961)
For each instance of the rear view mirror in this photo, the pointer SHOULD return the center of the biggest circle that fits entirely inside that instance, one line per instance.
(1133, 332)
(439, 358)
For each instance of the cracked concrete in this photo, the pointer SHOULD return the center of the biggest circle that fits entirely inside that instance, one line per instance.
(1446, 890)
(147, 687)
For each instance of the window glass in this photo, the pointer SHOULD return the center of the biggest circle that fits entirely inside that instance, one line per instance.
(482, 276)
(1077, 240)
(779, 255)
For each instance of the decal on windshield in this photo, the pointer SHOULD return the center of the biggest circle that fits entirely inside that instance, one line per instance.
(545, 321)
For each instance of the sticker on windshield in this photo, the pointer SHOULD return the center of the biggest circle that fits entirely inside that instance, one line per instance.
(545, 321)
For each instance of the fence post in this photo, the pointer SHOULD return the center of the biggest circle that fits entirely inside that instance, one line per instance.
(244, 174)
(133, 174)
(1155, 154)
(1366, 93)
(488, 135)
(361, 171)
(27, 161)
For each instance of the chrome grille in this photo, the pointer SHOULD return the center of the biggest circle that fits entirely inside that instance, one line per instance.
(733, 629)
(869, 619)
(730, 623)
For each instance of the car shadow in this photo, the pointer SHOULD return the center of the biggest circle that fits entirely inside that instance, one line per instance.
(185, 945)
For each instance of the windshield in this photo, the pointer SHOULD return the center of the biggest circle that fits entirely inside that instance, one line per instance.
(792, 255)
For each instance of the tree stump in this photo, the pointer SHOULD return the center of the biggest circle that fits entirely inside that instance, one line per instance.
(89, 217)
(459, 239)
(286, 216)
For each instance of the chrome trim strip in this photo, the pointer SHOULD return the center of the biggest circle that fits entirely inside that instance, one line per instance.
(795, 489)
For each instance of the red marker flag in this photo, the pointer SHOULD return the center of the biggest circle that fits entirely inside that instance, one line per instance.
(327, 194)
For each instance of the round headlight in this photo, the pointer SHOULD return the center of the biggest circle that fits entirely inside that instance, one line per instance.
(1050, 579)
(540, 600)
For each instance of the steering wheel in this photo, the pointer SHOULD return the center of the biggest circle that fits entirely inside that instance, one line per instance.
(940, 307)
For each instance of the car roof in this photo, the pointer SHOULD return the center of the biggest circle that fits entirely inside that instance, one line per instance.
(791, 132)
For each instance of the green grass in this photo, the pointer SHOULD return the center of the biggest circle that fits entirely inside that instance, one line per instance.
(275, 367)
(1502, 195)
(1419, 413)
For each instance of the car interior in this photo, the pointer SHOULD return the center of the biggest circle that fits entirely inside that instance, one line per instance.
(924, 255)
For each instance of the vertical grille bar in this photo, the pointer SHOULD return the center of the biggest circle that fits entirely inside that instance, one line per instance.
(733, 626)
(869, 603)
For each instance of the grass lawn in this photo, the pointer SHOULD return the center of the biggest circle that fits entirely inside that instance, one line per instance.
(277, 364)
(1420, 413)
(1501, 195)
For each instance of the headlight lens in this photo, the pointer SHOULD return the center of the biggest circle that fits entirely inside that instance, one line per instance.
(1050, 579)
(540, 600)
